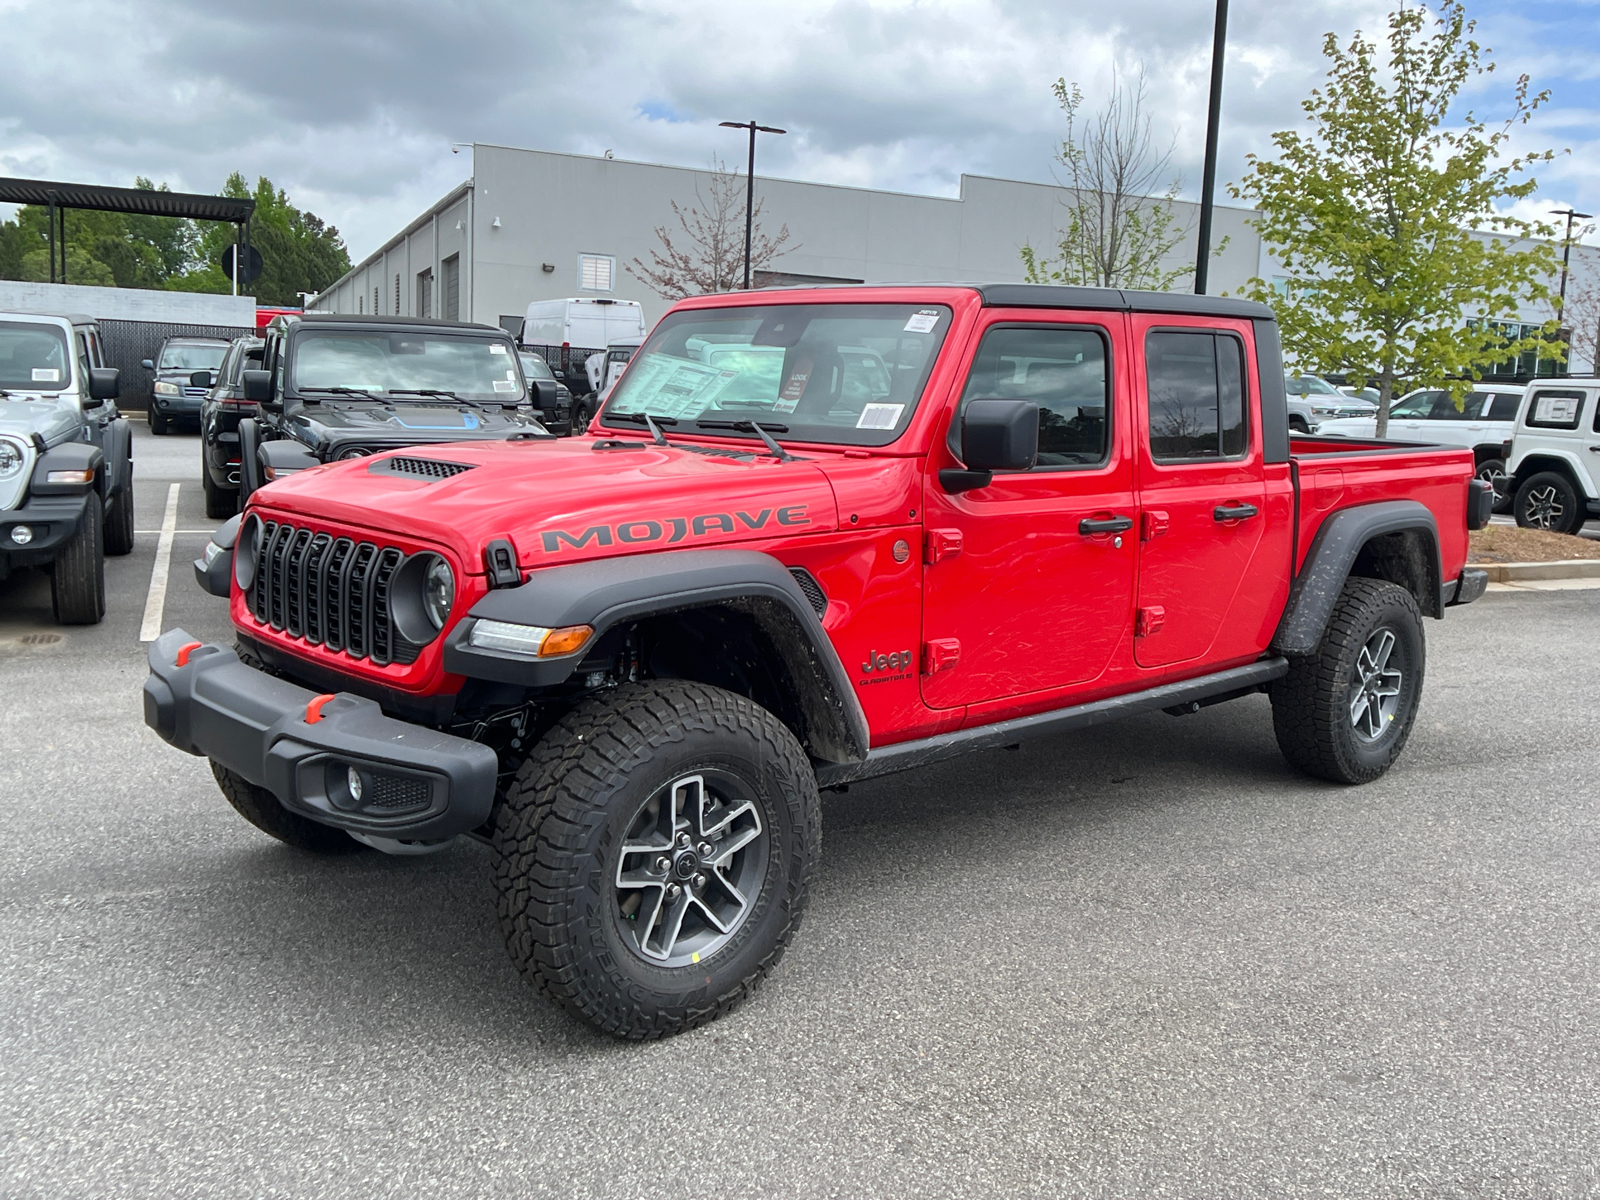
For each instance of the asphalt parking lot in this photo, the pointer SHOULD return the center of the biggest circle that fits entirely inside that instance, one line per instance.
(1147, 960)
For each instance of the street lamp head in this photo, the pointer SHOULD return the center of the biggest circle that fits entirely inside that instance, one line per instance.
(736, 124)
(769, 129)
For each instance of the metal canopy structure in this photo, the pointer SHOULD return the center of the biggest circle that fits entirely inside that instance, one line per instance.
(144, 202)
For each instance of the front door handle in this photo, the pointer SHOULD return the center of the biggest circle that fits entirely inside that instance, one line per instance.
(1234, 512)
(1091, 525)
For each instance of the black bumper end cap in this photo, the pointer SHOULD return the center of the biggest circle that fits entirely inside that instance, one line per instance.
(1472, 584)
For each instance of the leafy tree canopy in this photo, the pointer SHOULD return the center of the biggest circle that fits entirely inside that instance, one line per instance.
(299, 252)
(1372, 210)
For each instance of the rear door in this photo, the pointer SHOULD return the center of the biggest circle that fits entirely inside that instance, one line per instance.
(1028, 582)
(1202, 491)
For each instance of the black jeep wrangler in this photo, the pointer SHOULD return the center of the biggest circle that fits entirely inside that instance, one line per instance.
(334, 386)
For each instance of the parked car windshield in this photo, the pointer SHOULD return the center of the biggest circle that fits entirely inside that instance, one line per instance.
(179, 357)
(33, 357)
(843, 373)
(534, 366)
(406, 366)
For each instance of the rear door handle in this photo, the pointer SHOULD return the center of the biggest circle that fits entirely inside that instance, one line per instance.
(1090, 525)
(1234, 512)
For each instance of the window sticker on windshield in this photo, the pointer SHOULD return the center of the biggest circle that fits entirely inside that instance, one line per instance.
(496, 348)
(667, 386)
(46, 374)
(922, 322)
(504, 385)
(1554, 409)
(881, 416)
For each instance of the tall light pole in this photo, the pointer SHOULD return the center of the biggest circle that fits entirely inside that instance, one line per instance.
(750, 185)
(1566, 252)
(1208, 180)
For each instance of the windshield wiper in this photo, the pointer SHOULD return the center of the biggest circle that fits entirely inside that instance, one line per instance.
(652, 423)
(423, 392)
(340, 391)
(777, 451)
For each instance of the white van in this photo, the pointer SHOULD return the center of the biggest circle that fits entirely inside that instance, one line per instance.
(1553, 467)
(566, 332)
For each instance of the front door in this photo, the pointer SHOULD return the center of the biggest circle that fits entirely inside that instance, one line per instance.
(1028, 582)
(1201, 489)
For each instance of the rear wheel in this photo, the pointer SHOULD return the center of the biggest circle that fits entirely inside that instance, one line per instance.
(1493, 472)
(1344, 713)
(1549, 501)
(221, 502)
(119, 522)
(262, 809)
(158, 421)
(652, 857)
(78, 575)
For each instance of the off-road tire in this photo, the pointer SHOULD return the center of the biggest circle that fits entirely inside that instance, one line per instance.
(221, 502)
(119, 523)
(78, 575)
(558, 842)
(1493, 472)
(1556, 486)
(262, 809)
(1311, 705)
(158, 421)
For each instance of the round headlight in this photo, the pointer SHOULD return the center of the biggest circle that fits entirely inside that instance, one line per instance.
(438, 593)
(245, 550)
(354, 452)
(10, 459)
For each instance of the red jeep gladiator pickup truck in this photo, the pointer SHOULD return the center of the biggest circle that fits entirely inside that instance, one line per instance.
(814, 536)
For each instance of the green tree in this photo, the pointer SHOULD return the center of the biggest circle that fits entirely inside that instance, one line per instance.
(1117, 233)
(1372, 213)
(299, 253)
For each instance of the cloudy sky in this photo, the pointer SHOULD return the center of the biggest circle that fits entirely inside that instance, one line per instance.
(352, 104)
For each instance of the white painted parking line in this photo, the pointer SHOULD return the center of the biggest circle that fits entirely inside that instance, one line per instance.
(156, 599)
(179, 532)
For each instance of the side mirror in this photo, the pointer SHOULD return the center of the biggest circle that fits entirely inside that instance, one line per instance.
(545, 392)
(105, 383)
(200, 379)
(996, 435)
(257, 386)
(147, 364)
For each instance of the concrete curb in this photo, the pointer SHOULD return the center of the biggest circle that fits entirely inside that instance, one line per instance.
(1572, 568)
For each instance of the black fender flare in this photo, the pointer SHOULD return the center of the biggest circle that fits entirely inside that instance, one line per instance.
(68, 456)
(618, 591)
(285, 454)
(1333, 555)
(249, 465)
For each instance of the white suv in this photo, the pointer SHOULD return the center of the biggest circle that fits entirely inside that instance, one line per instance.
(1554, 459)
(1482, 424)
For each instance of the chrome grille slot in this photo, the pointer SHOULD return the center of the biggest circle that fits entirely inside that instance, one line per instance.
(332, 591)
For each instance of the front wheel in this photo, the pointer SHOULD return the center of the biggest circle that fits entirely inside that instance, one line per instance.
(652, 857)
(1344, 713)
(1549, 501)
(78, 575)
(158, 421)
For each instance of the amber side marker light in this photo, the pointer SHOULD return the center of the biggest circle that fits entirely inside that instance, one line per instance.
(534, 640)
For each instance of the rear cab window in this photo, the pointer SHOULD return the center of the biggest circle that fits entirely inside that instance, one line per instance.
(1196, 396)
(1555, 408)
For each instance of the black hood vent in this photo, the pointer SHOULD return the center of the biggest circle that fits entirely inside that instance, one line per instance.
(418, 468)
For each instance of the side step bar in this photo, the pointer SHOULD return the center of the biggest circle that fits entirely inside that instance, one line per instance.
(906, 756)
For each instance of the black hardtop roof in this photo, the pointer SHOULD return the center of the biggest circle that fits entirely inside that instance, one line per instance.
(1050, 295)
(369, 321)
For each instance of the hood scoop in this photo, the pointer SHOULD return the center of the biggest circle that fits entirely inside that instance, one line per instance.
(418, 468)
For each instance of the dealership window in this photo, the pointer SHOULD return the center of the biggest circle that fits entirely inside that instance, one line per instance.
(595, 272)
(425, 293)
(1196, 395)
(450, 301)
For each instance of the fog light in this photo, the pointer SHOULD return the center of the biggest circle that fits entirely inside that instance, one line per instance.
(21, 534)
(353, 779)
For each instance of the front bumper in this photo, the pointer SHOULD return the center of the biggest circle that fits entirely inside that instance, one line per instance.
(417, 784)
(51, 519)
(178, 406)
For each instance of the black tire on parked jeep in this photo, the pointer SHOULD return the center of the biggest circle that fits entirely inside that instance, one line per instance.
(119, 521)
(1344, 713)
(158, 421)
(261, 808)
(1549, 501)
(653, 855)
(78, 575)
(1493, 472)
(221, 502)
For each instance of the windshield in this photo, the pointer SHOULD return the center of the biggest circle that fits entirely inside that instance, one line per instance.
(406, 366)
(191, 358)
(1309, 385)
(33, 357)
(842, 373)
(535, 367)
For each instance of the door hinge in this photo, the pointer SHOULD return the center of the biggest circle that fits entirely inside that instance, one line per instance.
(940, 654)
(1152, 524)
(1149, 620)
(942, 544)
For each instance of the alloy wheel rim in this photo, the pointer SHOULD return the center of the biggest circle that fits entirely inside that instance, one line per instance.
(1494, 478)
(691, 868)
(1544, 507)
(1375, 691)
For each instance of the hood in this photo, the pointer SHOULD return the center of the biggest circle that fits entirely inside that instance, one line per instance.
(565, 501)
(408, 424)
(51, 418)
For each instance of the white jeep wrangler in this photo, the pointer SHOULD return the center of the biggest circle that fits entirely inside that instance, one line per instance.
(1553, 464)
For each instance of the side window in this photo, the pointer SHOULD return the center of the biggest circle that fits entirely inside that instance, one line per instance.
(1196, 395)
(1061, 369)
(1553, 408)
(84, 363)
(1418, 405)
(1503, 407)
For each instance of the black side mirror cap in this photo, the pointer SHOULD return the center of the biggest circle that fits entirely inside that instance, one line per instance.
(546, 392)
(105, 383)
(257, 385)
(200, 379)
(147, 364)
(1000, 435)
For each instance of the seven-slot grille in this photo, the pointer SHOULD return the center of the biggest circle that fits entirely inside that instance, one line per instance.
(332, 591)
